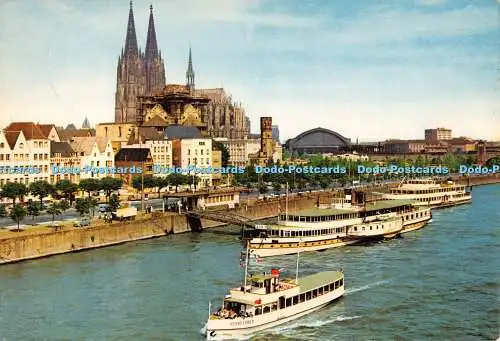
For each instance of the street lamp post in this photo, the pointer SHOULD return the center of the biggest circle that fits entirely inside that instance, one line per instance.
(142, 176)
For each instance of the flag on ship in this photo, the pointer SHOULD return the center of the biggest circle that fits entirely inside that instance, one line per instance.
(252, 259)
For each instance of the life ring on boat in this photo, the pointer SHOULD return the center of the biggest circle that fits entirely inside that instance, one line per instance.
(212, 333)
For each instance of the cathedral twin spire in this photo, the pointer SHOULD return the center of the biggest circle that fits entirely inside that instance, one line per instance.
(131, 47)
(131, 39)
(140, 73)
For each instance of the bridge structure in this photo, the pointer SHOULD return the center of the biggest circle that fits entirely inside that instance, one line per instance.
(194, 219)
(487, 152)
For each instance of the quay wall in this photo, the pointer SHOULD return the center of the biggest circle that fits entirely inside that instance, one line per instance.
(36, 245)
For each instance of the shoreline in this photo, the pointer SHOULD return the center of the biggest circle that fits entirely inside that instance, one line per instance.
(45, 242)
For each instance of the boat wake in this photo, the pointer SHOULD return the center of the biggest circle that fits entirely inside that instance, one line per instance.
(365, 287)
(310, 324)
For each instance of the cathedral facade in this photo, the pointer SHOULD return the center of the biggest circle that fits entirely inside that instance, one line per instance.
(143, 98)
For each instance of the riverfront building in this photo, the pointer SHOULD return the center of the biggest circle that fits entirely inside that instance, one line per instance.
(62, 155)
(436, 135)
(318, 141)
(130, 160)
(25, 153)
(93, 152)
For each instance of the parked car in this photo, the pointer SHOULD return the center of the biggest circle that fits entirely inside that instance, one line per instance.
(83, 222)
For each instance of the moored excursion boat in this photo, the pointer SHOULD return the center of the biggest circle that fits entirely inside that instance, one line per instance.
(432, 193)
(382, 227)
(268, 301)
(342, 224)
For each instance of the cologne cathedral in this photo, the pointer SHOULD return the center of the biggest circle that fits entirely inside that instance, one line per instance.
(144, 98)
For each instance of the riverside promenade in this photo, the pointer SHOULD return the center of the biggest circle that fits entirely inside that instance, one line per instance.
(45, 241)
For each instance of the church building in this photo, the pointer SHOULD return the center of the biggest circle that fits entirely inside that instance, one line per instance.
(143, 97)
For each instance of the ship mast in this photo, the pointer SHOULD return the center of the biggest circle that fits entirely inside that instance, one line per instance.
(286, 203)
(297, 269)
(246, 269)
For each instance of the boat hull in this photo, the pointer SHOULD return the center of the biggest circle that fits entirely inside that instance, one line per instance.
(415, 225)
(283, 248)
(254, 324)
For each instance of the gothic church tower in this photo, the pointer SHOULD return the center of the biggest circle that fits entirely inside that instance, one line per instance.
(155, 67)
(137, 73)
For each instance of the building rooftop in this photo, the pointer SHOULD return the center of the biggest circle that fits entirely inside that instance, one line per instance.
(182, 132)
(133, 155)
(67, 134)
(62, 148)
(86, 143)
(30, 130)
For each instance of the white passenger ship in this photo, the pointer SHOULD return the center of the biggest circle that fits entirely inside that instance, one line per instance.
(269, 301)
(323, 228)
(431, 193)
(381, 227)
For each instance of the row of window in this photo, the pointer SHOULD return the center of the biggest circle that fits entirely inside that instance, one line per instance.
(23, 157)
(220, 198)
(195, 161)
(36, 144)
(427, 191)
(196, 152)
(416, 215)
(306, 233)
(315, 219)
(24, 180)
(301, 298)
(162, 150)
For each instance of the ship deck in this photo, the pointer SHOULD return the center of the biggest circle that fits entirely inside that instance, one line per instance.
(310, 282)
(370, 206)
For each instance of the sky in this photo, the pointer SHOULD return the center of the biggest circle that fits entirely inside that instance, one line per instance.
(369, 70)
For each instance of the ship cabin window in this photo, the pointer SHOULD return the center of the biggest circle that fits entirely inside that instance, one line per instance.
(308, 295)
(274, 307)
(302, 298)
(288, 302)
(314, 293)
(266, 310)
(295, 300)
(320, 291)
(258, 311)
(332, 286)
(326, 288)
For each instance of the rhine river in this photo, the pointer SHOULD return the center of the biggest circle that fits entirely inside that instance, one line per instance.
(439, 283)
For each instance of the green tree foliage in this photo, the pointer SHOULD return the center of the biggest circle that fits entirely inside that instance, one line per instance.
(192, 180)
(64, 205)
(82, 206)
(92, 204)
(67, 189)
(41, 189)
(114, 202)
(177, 180)
(3, 211)
(17, 214)
(14, 190)
(33, 209)
(89, 185)
(109, 184)
(54, 209)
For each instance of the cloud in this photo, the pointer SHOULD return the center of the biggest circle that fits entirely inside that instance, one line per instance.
(339, 68)
(430, 2)
(375, 26)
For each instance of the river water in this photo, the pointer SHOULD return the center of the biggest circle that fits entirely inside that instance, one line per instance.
(439, 283)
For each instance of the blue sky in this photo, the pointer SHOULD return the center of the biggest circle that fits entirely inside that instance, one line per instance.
(367, 69)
